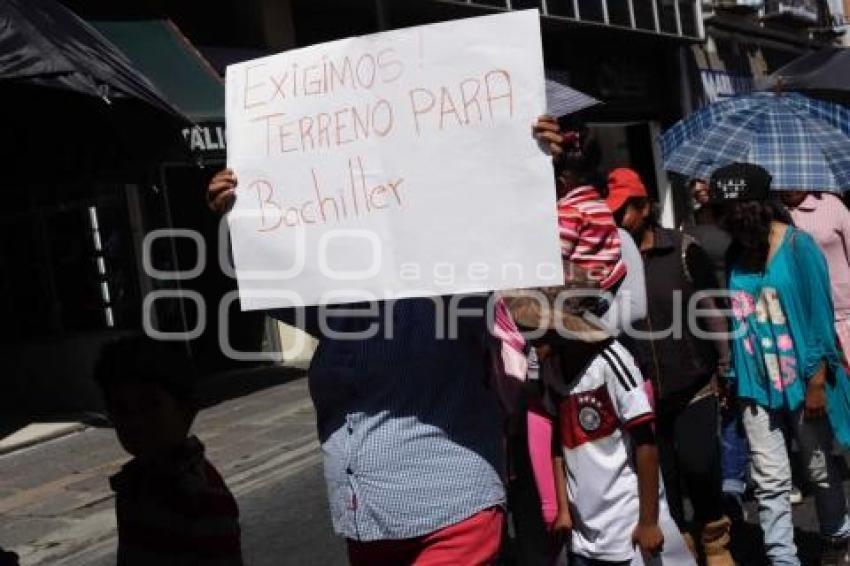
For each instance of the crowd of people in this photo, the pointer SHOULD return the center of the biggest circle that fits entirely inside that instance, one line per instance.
(613, 405)
(728, 393)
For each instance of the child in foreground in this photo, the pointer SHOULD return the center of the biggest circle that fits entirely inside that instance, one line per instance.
(172, 506)
(611, 506)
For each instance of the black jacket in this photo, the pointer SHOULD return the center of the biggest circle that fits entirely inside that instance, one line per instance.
(679, 363)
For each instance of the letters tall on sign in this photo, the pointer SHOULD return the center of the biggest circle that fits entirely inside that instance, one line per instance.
(393, 165)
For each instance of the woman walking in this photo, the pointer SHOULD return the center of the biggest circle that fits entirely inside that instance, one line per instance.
(787, 370)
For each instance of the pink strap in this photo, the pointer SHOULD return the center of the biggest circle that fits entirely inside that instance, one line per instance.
(510, 365)
(540, 451)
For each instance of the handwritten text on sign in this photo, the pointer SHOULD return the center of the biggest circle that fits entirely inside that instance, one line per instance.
(370, 168)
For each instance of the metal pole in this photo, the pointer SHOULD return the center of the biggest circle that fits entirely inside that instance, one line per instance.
(700, 15)
(137, 233)
(684, 82)
(381, 15)
(170, 221)
(678, 16)
(655, 15)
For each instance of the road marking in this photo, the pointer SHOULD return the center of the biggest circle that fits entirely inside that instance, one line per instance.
(305, 454)
(304, 406)
(76, 538)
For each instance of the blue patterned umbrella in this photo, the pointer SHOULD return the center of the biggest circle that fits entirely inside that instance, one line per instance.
(561, 99)
(804, 143)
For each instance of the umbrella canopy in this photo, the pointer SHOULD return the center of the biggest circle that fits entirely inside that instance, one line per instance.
(804, 143)
(823, 74)
(561, 99)
(69, 96)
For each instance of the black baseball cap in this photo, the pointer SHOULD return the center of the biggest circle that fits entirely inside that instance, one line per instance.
(739, 182)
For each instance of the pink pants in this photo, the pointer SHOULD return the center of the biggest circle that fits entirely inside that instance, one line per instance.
(540, 451)
(474, 542)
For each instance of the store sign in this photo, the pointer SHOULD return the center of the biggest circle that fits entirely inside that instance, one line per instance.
(717, 85)
(748, 4)
(400, 164)
(206, 138)
(805, 11)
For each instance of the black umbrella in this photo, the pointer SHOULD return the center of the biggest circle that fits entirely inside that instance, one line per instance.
(824, 73)
(71, 102)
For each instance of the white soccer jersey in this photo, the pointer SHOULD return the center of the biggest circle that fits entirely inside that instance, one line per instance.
(592, 413)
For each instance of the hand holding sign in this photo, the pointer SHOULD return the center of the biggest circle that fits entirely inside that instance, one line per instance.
(221, 191)
(392, 165)
(548, 133)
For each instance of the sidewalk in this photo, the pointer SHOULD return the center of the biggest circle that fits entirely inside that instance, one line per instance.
(55, 500)
(36, 433)
(214, 388)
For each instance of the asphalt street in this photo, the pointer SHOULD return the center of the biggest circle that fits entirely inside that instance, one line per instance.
(282, 523)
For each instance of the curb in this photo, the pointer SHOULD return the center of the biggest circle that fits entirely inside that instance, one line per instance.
(8, 446)
(213, 389)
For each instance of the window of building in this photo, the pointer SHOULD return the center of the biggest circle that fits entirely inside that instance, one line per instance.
(669, 17)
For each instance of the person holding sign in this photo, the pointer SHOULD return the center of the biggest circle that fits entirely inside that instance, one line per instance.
(409, 426)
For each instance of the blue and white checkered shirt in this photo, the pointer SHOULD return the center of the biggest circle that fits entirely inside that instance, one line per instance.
(410, 430)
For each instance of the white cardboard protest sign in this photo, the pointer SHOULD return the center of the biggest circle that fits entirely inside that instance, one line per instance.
(393, 165)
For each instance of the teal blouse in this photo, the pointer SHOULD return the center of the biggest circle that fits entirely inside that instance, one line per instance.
(783, 329)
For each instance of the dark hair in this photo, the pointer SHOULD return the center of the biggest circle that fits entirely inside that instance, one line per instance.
(142, 359)
(693, 183)
(637, 202)
(748, 223)
(583, 157)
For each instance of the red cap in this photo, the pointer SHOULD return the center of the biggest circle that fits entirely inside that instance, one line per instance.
(623, 184)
